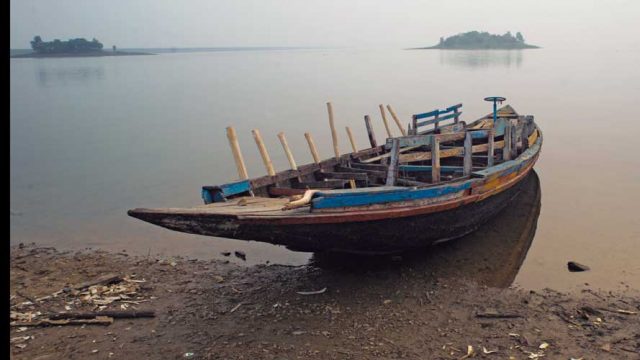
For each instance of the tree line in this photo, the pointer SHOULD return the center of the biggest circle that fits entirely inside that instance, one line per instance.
(70, 46)
(475, 39)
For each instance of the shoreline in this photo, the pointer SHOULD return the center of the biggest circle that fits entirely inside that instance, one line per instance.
(215, 309)
(75, 55)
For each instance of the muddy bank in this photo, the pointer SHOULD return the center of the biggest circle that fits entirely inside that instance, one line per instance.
(212, 309)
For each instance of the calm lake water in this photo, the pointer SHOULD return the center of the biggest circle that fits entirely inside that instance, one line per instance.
(94, 137)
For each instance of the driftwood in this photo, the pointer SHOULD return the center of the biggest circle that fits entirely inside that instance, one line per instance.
(100, 320)
(102, 280)
(131, 314)
(496, 315)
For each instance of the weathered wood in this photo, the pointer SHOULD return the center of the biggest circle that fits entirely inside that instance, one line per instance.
(361, 176)
(100, 320)
(384, 120)
(312, 147)
(116, 314)
(334, 134)
(325, 184)
(506, 151)
(468, 152)
(287, 151)
(372, 135)
(284, 191)
(490, 148)
(106, 279)
(351, 139)
(395, 118)
(435, 159)
(514, 139)
(263, 152)
(392, 171)
(237, 155)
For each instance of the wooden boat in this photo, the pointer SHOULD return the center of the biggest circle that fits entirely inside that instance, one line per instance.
(438, 181)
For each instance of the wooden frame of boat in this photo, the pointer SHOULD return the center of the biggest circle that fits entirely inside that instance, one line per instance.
(417, 189)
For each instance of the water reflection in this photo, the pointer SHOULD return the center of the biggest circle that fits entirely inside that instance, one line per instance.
(490, 256)
(481, 58)
(68, 75)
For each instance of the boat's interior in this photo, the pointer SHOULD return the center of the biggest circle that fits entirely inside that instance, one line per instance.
(406, 161)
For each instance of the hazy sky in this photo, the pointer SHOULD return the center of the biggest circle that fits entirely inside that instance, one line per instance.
(339, 23)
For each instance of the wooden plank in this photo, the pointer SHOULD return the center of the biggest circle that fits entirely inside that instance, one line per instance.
(312, 148)
(359, 199)
(360, 176)
(490, 148)
(392, 172)
(506, 151)
(237, 155)
(325, 184)
(438, 119)
(425, 140)
(219, 193)
(384, 120)
(425, 115)
(351, 139)
(468, 151)
(395, 118)
(427, 168)
(334, 134)
(384, 156)
(372, 135)
(456, 151)
(435, 159)
(263, 152)
(514, 140)
(284, 191)
(287, 151)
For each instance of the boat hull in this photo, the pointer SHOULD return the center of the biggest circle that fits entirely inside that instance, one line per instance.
(375, 236)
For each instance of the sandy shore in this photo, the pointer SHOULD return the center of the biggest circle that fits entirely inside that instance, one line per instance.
(217, 310)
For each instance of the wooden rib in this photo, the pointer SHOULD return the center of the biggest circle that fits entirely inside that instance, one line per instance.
(392, 172)
(435, 160)
(491, 147)
(237, 155)
(351, 139)
(263, 152)
(384, 120)
(312, 147)
(334, 134)
(468, 151)
(395, 118)
(372, 135)
(287, 151)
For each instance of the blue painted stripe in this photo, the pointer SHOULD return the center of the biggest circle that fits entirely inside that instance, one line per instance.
(438, 119)
(427, 114)
(361, 191)
(221, 192)
(235, 187)
(388, 197)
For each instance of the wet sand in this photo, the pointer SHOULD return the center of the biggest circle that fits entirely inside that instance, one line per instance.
(433, 304)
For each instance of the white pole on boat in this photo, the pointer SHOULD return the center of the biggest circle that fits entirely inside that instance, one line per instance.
(334, 134)
(237, 155)
(351, 139)
(312, 147)
(384, 120)
(263, 152)
(395, 118)
(287, 151)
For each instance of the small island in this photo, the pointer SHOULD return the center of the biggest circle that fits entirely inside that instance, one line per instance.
(474, 40)
(71, 48)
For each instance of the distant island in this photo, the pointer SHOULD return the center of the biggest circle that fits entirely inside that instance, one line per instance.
(474, 40)
(71, 48)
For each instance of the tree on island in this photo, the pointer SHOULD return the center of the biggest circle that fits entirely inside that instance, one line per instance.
(483, 40)
(56, 46)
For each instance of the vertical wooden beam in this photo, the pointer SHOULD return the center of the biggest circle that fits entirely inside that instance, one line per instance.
(395, 118)
(435, 159)
(392, 171)
(435, 125)
(312, 147)
(263, 152)
(334, 134)
(237, 155)
(506, 150)
(491, 147)
(414, 125)
(514, 140)
(455, 119)
(351, 139)
(372, 136)
(287, 151)
(384, 120)
(468, 152)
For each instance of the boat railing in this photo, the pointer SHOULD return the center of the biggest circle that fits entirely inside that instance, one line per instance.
(434, 117)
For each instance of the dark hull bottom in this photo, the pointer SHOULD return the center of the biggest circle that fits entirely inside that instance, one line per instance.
(379, 236)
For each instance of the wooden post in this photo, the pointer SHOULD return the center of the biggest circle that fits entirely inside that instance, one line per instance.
(468, 152)
(334, 134)
(353, 142)
(491, 147)
(392, 171)
(435, 159)
(395, 118)
(287, 151)
(312, 147)
(413, 126)
(435, 125)
(237, 155)
(506, 150)
(263, 152)
(372, 136)
(384, 120)
(514, 140)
